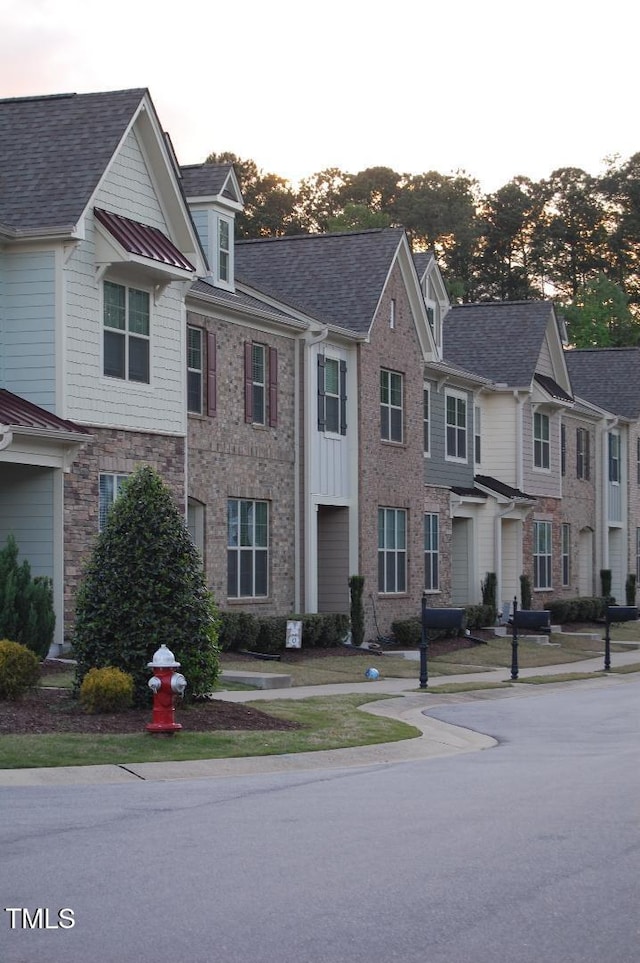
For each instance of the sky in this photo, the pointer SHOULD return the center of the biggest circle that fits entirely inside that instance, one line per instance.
(496, 89)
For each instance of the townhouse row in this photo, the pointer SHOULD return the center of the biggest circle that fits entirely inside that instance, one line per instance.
(315, 403)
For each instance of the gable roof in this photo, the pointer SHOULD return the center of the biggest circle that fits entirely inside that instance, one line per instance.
(335, 278)
(54, 151)
(607, 377)
(211, 180)
(499, 340)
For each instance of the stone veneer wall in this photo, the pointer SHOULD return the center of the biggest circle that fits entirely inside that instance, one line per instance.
(110, 451)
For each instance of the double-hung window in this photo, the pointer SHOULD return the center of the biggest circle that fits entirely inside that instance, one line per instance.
(224, 250)
(426, 419)
(391, 405)
(456, 414)
(541, 555)
(431, 551)
(541, 440)
(247, 548)
(261, 384)
(566, 554)
(110, 486)
(582, 454)
(126, 334)
(195, 359)
(392, 550)
(614, 457)
(332, 395)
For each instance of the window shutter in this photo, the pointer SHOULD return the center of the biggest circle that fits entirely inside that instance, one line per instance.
(343, 397)
(273, 387)
(211, 373)
(587, 456)
(321, 414)
(248, 382)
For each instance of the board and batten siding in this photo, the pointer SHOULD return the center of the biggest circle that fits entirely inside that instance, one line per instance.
(27, 328)
(330, 454)
(110, 402)
(500, 437)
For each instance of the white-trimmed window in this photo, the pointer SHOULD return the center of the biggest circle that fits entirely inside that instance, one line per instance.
(110, 485)
(195, 365)
(542, 555)
(332, 395)
(566, 554)
(392, 550)
(638, 461)
(126, 332)
(260, 384)
(224, 250)
(247, 548)
(563, 449)
(391, 405)
(582, 454)
(638, 554)
(614, 457)
(456, 416)
(431, 551)
(541, 445)
(477, 434)
(426, 419)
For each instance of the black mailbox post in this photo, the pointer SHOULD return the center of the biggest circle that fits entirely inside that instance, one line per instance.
(616, 613)
(532, 620)
(434, 620)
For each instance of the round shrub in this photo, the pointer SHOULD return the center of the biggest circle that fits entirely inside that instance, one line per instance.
(106, 690)
(19, 669)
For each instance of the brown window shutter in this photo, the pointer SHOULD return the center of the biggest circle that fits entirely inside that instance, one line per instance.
(273, 387)
(248, 382)
(211, 373)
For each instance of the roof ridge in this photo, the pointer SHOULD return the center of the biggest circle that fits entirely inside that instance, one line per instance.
(317, 235)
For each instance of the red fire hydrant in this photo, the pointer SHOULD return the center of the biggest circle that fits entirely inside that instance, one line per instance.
(165, 685)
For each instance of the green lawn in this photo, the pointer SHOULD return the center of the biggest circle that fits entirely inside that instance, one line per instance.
(326, 723)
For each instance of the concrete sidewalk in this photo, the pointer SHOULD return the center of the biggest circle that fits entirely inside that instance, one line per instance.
(411, 706)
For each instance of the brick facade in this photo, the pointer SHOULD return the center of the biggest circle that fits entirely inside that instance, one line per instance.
(115, 451)
(391, 473)
(230, 458)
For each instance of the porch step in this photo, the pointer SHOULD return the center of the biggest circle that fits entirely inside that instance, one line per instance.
(259, 680)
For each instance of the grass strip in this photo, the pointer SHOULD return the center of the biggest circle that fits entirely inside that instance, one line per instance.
(327, 723)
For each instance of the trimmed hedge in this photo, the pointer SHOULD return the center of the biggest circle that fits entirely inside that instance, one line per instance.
(408, 632)
(582, 609)
(267, 633)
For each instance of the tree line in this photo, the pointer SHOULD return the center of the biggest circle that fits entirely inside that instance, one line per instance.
(571, 237)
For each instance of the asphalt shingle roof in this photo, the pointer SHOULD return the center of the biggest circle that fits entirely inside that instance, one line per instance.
(335, 278)
(607, 377)
(499, 340)
(53, 152)
(204, 180)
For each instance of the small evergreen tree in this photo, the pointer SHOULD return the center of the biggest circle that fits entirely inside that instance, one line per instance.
(26, 603)
(630, 589)
(525, 592)
(145, 585)
(489, 589)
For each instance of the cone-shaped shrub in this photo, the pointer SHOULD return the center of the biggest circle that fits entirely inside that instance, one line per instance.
(145, 585)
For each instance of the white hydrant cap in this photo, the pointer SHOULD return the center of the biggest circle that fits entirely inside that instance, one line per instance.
(163, 658)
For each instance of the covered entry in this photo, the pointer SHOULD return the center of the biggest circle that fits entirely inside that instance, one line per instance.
(333, 558)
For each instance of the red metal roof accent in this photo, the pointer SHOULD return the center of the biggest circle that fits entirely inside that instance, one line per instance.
(19, 413)
(145, 241)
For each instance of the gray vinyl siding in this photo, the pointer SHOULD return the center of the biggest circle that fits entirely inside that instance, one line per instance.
(439, 471)
(26, 511)
(27, 327)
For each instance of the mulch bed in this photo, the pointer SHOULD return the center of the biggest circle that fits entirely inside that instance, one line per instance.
(54, 710)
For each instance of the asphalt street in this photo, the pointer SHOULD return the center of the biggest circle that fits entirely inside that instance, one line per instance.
(526, 852)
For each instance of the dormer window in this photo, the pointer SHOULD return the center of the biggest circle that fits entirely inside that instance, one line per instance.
(224, 250)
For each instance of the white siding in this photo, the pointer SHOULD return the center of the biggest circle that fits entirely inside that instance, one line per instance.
(499, 438)
(331, 455)
(545, 364)
(28, 327)
(91, 398)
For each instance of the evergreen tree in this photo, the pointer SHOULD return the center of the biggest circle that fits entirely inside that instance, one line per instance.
(145, 585)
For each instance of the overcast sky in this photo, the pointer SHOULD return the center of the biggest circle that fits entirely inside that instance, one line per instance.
(496, 88)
